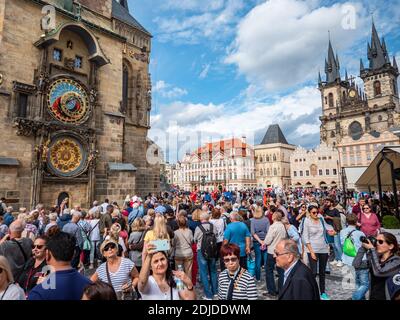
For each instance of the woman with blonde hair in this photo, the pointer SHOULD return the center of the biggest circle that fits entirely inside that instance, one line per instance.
(158, 232)
(9, 290)
(113, 235)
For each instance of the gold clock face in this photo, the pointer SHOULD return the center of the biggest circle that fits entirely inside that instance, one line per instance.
(352, 93)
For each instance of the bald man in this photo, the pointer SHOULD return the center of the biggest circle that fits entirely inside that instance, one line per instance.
(16, 249)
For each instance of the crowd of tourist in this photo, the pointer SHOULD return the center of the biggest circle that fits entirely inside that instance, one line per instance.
(199, 245)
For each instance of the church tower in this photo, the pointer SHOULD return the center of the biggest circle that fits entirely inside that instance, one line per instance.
(380, 79)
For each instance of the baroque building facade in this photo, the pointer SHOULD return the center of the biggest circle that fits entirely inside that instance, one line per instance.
(272, 159)
(358, 121)
(75, 100)
(227, 163)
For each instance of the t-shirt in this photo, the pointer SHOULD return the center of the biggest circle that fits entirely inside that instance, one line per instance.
(152, 292)
(236, 233)
(95, 230)
(119, 278)
(67, 285)
(13, 292)
(334, 213)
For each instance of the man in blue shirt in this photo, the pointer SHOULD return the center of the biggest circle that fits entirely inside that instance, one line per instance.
(63, 282)
(237, 232)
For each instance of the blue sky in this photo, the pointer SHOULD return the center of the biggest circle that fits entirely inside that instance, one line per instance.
(223, 68)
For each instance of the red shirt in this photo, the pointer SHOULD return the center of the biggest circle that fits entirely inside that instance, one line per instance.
(369, 226)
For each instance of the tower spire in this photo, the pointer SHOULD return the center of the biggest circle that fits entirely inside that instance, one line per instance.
(395, 63)
(332, 66)
(377, 53)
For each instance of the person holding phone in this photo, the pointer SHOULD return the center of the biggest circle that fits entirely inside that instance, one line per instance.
(156, 278)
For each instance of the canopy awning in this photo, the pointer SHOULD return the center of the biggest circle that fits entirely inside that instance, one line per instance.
(351, 176)
(369, 179)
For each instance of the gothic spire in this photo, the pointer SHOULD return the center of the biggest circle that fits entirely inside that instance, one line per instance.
(395, 63)
(377, 54)
(319, 79)
(332, 66)
(362, 69)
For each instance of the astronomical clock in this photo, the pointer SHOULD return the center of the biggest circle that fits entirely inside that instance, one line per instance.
(68, 104)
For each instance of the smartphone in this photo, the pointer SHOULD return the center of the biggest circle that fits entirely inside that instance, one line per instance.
(161, 245)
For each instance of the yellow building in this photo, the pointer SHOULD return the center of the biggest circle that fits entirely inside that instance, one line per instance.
(272, 159)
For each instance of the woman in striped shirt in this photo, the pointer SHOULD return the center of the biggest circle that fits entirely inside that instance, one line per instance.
(235, 283)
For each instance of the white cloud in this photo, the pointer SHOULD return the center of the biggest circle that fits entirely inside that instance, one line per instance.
(211, 22)
(206, 122)
(281, 43)
(204, 72)
(168, 91)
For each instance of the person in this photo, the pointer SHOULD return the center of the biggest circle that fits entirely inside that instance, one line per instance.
(85, 229)
(74, 230)
(30, 231)
(159, 232)
(235, 282)
(357, 208)
(333, 218)
(3, 206)
(66, 283)
(383, 262)
(292, 233)
(114, 234)
(136, 242)
(183, 240)
(94, 236)
(120, 272)
(16, 249)
(52, 221)
(34, 268)
(368, 221)
(276, 233)
(105, 221)
(8, 289)
(64, 218)
(219, 226)
(315, 229)
(238, 233)
(156, 279)
(207, 267)
(104, 206)
(8, 216)
(99, 290)
(299, 282)
(3, 227)
(193, 223)
(361, 272)
(259, 226)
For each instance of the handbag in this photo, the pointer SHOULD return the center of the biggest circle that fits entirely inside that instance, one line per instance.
(328, 238)
(128, 294)
(349, 249)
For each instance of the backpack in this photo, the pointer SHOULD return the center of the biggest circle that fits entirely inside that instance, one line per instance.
(349, 249)
(209, 248)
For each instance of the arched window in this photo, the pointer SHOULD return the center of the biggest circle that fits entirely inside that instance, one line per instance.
(377, 88)
(275, 172)
(261, 173)
(394, 87)
(332, 134)
(274, 157)
(268, 172)
(330, 99)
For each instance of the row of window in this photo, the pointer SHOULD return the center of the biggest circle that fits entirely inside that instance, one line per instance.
(223, 176)
(320, 172)
(267, 158)
(221, 163)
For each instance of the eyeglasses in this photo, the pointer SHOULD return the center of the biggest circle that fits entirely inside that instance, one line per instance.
(38, 246)
(280, 254)
(233, 260)
(109, 246)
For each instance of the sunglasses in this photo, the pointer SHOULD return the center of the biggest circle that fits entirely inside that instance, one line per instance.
(109, 246)
(280, 254)
(38, 246)
(314, 212)
(233, 260)
(366, 208)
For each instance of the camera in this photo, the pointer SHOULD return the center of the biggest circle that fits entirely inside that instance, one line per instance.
(370, 238)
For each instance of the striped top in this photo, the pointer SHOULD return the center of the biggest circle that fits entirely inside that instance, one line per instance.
(244, 289)
(119, 278)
